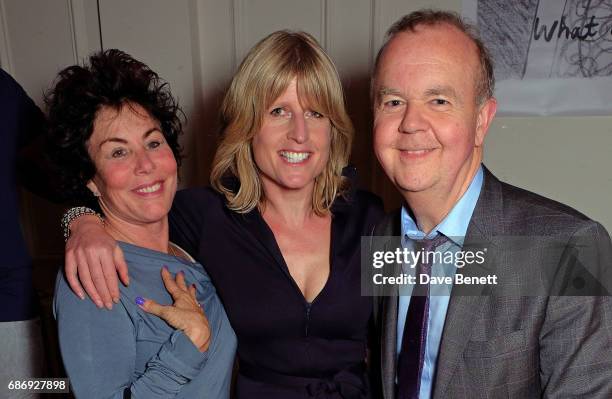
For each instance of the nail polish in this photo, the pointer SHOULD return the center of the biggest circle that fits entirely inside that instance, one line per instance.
(140, 301)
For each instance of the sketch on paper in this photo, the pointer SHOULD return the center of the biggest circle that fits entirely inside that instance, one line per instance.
(536, 40)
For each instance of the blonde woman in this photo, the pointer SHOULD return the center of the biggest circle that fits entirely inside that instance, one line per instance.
(279, 231)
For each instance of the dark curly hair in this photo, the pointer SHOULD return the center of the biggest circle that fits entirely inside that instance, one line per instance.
(112, 79)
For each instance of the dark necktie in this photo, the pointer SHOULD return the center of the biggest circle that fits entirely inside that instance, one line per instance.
(414, 338)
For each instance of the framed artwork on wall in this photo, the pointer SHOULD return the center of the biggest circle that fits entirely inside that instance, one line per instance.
(551, 57)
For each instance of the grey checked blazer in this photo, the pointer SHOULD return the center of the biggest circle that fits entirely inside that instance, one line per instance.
(513, 340)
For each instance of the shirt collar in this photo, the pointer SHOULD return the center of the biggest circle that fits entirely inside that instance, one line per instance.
(455, 224)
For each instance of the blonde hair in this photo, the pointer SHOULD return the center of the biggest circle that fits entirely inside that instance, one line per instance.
(263, 76)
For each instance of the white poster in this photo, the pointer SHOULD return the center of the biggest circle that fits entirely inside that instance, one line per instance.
(552, 57)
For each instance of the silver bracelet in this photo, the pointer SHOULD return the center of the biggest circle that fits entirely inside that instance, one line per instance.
(74, 213)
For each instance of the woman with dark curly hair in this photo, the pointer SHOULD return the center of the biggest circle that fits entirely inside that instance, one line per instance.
(113, 134)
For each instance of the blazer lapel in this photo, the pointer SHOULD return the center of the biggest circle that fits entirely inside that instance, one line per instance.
(467, 300)
(391, 228)
(389, 345)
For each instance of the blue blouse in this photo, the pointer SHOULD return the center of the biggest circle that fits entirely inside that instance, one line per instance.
(106, 352)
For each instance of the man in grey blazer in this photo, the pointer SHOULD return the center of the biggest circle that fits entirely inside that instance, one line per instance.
(544, 327)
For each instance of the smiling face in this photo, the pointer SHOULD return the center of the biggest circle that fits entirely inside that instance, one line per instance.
(292, 146)
(428, 127)
(136, 172)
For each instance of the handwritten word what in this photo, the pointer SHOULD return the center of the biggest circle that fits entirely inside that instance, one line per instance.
(583, 32)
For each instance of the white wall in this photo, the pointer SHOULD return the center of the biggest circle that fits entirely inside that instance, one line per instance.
(197, 44)
(568, 159)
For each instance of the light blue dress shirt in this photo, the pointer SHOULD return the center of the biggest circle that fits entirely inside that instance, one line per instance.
(453, 226)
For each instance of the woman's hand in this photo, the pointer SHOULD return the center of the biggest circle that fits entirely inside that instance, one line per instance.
(94, 259)
(185, 314)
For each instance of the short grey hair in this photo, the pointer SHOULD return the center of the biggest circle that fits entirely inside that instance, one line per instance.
(485, 83)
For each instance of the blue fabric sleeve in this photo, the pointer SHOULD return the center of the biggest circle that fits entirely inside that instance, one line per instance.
(99, 349)
(214, 381)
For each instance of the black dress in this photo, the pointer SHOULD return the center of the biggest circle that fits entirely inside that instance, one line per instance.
(287, 347)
